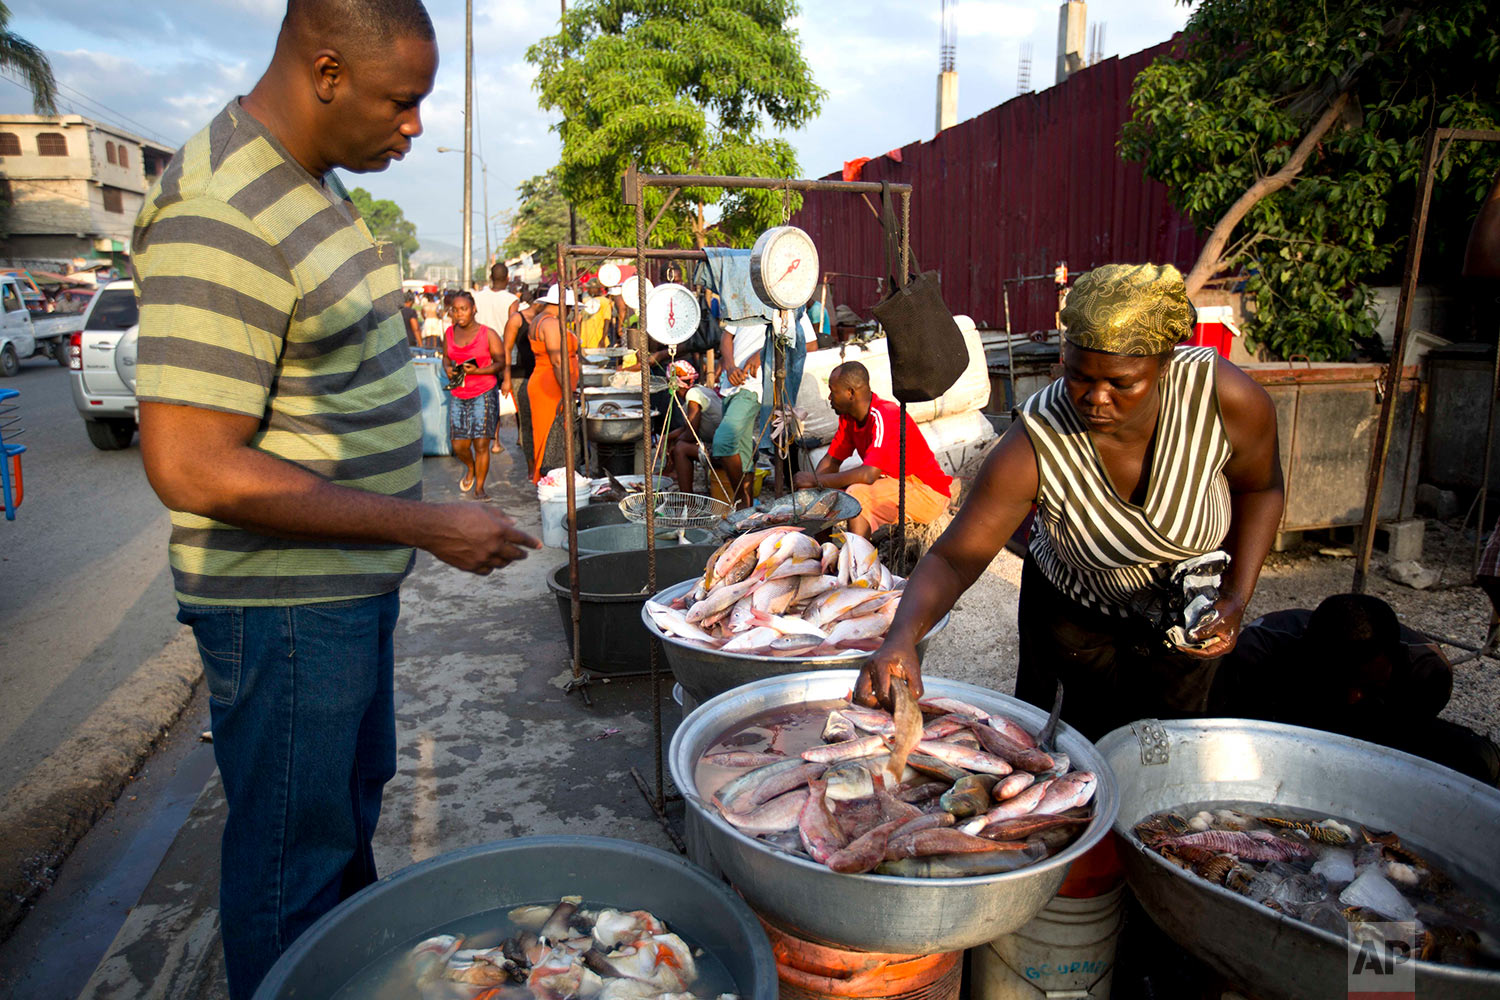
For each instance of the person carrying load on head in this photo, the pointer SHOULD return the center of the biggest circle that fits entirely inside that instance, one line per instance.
(870, 427)
(1154, 472)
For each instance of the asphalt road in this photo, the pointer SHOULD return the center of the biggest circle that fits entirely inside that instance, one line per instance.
(85, 594)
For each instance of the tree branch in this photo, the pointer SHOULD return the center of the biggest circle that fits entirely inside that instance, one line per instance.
(1208, 261)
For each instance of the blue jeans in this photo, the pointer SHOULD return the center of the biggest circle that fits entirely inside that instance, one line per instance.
(303, 712)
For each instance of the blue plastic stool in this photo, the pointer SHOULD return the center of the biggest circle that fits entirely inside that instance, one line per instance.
(10, 454)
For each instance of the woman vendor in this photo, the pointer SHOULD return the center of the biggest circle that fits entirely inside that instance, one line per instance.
(545, 387)
(1142, 456)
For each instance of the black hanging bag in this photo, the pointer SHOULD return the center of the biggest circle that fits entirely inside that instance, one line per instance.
(927, 349)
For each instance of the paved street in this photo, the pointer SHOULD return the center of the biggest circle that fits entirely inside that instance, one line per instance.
(85, 596)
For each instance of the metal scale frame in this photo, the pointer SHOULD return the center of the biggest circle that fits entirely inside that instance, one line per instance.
(633, 186)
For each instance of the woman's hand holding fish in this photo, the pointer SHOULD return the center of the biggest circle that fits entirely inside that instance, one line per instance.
(896, 657)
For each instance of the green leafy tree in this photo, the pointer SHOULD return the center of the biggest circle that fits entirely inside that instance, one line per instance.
(30, 63)
(682, 87)
(387, 223)
(1293, 131)
(540, 221)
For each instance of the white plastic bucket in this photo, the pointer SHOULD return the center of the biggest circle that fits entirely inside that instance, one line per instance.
(1067, 950)
(554, 503)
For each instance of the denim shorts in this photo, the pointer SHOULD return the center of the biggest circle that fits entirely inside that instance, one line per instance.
(474, 418)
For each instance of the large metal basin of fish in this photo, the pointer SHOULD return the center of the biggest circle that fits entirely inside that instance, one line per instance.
(1164, 765)
(705, 673)
(403, 908)
(914, 916)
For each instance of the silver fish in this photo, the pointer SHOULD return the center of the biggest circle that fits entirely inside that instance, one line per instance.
(779, 814)
(832, 753)
(964, 757)
(838, 728)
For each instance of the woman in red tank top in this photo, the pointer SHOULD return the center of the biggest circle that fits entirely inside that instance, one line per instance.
(474, 349)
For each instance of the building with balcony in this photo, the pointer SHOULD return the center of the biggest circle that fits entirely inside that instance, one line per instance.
(72, 188)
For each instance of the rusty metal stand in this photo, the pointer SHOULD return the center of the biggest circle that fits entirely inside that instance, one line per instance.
(1432, 155)
(633, 186)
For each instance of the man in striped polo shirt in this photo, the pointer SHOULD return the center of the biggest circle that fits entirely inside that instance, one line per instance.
(280, 423)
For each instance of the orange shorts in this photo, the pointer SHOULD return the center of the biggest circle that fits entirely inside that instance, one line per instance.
(879, 501)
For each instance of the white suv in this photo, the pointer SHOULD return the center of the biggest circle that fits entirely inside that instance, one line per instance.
(101, 363)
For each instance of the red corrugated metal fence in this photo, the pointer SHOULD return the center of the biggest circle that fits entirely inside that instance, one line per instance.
(1009, 193)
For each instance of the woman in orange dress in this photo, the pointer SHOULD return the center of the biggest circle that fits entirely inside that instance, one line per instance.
(544, 389)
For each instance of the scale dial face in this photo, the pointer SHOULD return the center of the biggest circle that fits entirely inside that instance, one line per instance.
(784, 267)
(630, 291)
(609, 275)
(672, 313)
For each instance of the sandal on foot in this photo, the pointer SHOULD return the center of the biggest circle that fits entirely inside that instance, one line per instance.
(466, 484)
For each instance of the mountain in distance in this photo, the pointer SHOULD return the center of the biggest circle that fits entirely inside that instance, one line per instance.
(436, 252)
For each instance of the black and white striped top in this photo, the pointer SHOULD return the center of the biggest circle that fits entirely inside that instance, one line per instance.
(1093, 544)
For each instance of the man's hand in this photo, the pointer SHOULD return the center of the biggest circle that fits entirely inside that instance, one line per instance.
(736, 375)
(892, 659)
(805, 480)
(475, 537)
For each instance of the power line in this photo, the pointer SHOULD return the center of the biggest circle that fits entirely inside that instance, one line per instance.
(103, 113)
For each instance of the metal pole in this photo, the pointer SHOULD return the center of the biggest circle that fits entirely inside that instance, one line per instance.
(901, 486)
(1376, 477)
(1010, 354)
(562, 29)
(1489, 443)
(484, 171)
(468, 250)
(770, 183)
(569, 458)
(643, 355)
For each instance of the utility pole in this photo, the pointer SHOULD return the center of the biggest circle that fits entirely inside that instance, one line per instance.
(467, 277)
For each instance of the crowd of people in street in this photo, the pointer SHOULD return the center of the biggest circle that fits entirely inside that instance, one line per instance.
(715, 414)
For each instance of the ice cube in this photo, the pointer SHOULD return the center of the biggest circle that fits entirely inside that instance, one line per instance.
(1336, 865)
(1371, 891)
(1260, 886)
(1327, 915)
(1299, 891)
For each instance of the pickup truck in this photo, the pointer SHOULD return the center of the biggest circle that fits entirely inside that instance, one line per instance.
(23, 335)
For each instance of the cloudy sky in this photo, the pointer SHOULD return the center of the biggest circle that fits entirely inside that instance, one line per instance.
(164, 67)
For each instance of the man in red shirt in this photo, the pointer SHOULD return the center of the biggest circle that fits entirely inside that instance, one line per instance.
(871, 426)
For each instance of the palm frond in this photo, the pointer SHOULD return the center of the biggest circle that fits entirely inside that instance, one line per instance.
(17, 54)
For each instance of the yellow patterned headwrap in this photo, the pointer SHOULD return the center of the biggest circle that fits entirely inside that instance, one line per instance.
(1134, 309)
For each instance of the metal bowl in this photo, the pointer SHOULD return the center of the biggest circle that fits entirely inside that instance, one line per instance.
(705, 673)
(403, 908)
(614, 430)
(877, 912)
(1266, 952)
(800, 500)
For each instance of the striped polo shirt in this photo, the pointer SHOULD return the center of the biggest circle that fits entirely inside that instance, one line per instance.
(1096, 546)
(262, 292)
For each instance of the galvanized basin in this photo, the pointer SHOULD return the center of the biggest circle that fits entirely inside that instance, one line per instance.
(616, 429)
(403, 908)
(1270, 954)
(877, 912)
(630, 537)
(704, 673)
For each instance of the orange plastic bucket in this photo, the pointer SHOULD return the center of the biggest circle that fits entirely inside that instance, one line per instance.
(1097, 872)
(809, 971)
